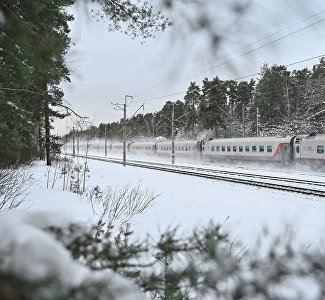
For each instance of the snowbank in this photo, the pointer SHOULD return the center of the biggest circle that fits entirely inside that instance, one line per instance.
(30, 253)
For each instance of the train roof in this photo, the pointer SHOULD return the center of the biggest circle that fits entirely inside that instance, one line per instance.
(179, 142)
(313, 137)
(144, 143)
(252, 139)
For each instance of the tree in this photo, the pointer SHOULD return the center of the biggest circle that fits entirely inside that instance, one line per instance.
(315, 101)
(213, 105)
(192, 100)
(32, 65)
(244, 103)
(271, 95)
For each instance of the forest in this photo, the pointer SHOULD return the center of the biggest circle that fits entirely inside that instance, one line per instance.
(33, 65)
(279, 102)
(34, 39)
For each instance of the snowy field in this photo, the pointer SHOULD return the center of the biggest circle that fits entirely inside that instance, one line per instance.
(186, 202)
(183, 201)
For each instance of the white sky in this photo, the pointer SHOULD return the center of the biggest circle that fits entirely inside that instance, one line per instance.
(106, 66)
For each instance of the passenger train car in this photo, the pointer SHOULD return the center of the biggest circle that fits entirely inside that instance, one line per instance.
(257, 149)
(307, 148)
(180, 147)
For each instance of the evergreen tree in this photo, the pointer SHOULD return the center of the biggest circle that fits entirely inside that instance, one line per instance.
(32, 66)
(298, 85)
(192, 100)
(34, 40)
(315, 102)
(213, 106)
(271, 96)
(244, 105)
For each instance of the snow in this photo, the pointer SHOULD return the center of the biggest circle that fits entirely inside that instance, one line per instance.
(191, 201)
(183, 201)
(28, 251)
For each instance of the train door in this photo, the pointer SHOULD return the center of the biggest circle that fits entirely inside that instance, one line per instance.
(201, 146)
(285, 152)
(155, 147)
(292, 149)
(296, 148)
(128, 146)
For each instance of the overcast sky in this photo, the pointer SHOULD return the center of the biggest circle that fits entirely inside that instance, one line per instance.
(106, 66)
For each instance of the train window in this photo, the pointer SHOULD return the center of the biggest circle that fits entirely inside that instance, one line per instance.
(218, 148)
(254, 148)
(223, 148)
(261, 148)
(234, 148)
(269, 148)
(320, 149)
(228, 148)
(246, 148)
(240, 149)
(297, 149)
(212, 148)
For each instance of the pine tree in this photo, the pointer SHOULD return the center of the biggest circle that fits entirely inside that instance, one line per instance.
(192, 100)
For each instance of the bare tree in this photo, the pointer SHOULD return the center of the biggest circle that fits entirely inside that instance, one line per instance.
(14, 182)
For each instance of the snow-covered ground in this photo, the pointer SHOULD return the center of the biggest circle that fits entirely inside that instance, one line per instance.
(183, 201)
(189, 201)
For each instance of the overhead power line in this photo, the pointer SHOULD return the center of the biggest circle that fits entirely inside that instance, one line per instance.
(236, 79)
(182, 77)
(105, 115)
(173, 81)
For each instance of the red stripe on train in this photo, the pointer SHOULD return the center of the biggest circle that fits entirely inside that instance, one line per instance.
(277, 150)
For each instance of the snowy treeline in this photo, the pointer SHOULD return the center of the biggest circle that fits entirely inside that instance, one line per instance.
(281, 101)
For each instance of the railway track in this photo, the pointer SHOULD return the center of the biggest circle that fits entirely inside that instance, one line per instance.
(306, 187)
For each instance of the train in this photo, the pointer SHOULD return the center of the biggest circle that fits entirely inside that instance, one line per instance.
(289, 149)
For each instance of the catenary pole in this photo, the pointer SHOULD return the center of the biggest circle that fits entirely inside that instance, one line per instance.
(105, 139)
(173, 135)
(123, 107)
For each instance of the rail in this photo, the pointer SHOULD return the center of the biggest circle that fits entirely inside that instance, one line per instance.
(306, 187)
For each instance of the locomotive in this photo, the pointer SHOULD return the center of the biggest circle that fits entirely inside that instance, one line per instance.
(302, 148)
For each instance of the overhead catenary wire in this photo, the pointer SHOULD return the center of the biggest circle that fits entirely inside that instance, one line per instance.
(173, 81)
(105, 115)
(235, 79)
